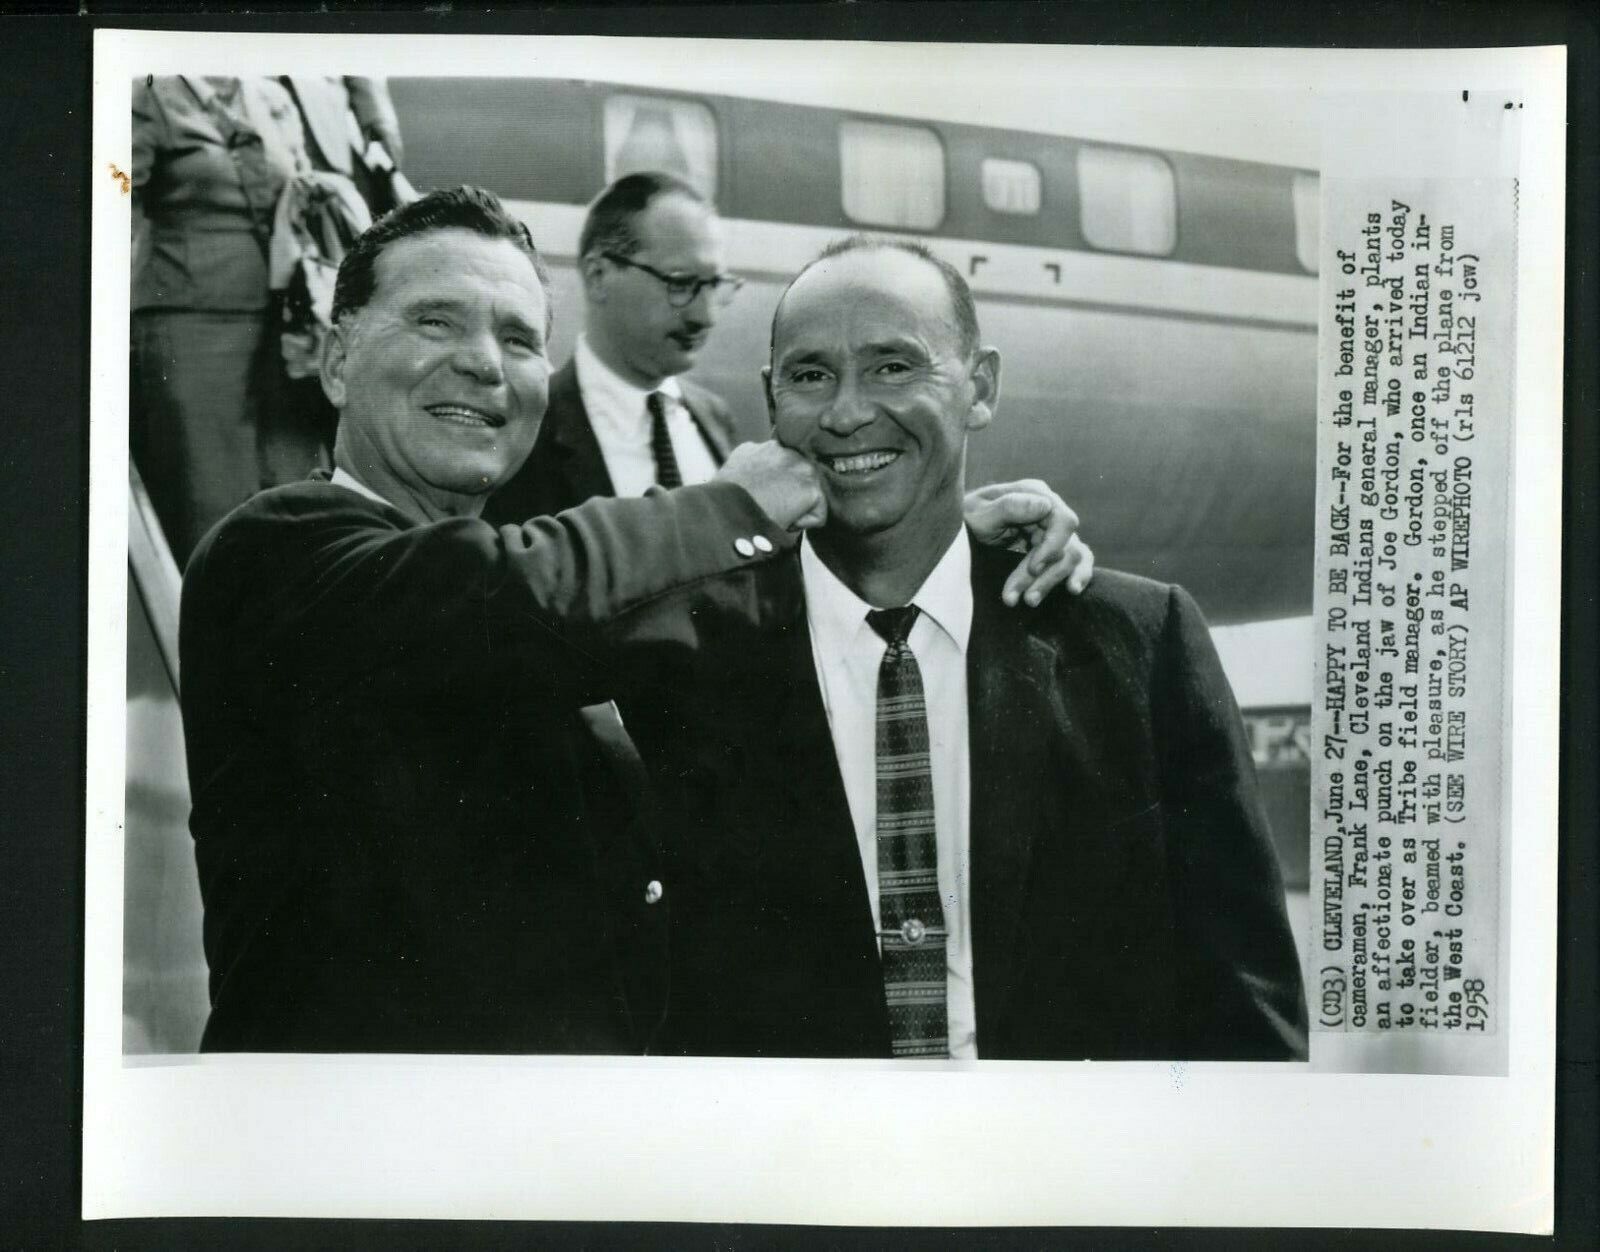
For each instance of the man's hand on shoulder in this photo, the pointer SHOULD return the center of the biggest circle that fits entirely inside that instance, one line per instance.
(783, 483)
(1027, 511)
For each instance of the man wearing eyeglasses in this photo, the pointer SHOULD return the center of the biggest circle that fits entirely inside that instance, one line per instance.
(621, 420)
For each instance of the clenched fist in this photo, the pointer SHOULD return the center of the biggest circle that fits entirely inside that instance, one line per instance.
(781, 481)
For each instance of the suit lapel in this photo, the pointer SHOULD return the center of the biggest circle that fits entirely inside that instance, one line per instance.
(576, 450)
(1026, 753)
(815, 789)
(717, 437)
(818, 863)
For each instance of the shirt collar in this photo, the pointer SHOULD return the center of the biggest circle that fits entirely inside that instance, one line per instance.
(945, 597)
(606, 391)
(341, 479)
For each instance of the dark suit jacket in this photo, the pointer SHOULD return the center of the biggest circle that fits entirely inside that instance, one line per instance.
(564, 469)
(566, 466)
(395, 852)
(1126, 899)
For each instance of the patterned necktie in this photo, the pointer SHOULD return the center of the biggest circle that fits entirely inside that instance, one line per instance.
(661, 442)
(910, 916)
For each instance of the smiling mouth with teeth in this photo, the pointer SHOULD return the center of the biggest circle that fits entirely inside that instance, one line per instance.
(860, 463)
(465, 415)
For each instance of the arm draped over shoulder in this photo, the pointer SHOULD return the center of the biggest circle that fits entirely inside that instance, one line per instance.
(312, 587)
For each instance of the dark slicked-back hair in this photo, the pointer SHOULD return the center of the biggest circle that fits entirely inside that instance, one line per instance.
(962, 308)
(609, 225)
(455, 208)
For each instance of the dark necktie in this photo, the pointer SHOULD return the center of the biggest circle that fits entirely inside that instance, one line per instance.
(661, 442)
(911, 919)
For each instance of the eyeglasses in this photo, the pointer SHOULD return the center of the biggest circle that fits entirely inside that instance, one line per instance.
(684, 289)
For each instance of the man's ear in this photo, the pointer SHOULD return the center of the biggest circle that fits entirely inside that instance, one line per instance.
(592, 270)
(985, 388)
(766, 389)
(335, 355)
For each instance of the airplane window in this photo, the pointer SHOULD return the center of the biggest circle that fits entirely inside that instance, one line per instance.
(891, 175)
(1011, 186)
(1128, 201)
(657, 133)
(1307, 220)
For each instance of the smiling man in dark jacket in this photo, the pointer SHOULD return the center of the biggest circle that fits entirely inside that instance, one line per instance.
(905, 822)
(380, 690)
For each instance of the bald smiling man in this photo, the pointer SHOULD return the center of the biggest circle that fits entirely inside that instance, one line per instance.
(902, 821)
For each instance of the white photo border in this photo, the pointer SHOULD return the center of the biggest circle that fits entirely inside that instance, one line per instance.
(999, 1143)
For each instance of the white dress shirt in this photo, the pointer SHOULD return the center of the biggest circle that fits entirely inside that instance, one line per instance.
(847, 653)
(342, 479)
(621, 424)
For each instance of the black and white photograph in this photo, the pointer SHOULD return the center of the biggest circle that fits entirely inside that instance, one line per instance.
(780, 583)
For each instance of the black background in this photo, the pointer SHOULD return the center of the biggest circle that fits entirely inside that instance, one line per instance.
(45, 102)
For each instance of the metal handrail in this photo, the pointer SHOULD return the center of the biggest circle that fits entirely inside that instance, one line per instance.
(155, 573)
